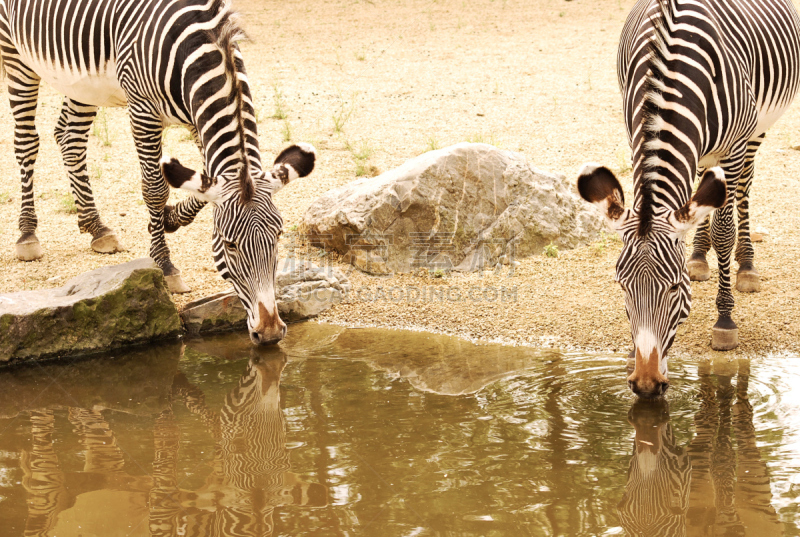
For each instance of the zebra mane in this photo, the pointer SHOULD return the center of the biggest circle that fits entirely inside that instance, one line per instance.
(652, 106)
(226, 36)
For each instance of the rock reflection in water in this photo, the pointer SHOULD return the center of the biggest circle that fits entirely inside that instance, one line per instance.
(717, 485)
(250, 473)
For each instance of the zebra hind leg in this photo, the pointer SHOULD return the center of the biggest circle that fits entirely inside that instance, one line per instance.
(23, 89)
(697, 264)
(748, 280)
(72, 135)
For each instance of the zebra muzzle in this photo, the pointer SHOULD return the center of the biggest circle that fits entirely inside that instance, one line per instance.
(647, 379)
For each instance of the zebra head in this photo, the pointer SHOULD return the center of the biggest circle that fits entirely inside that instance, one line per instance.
(247, 225)
(652, 267)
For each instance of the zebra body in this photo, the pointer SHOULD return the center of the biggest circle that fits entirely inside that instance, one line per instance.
(169, 62)
(701, 82)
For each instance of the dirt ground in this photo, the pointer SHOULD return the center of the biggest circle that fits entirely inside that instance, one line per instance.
(372, 84)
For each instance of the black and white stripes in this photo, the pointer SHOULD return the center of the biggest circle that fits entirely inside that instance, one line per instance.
(170, 62)
(701, 82)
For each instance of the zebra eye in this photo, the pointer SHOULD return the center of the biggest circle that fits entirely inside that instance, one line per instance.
(674, 288)
(230, 246)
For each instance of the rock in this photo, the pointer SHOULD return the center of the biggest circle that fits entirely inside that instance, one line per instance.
(461, 207)
(104, 308)
(759, 235)
(303, 290)
(216, 313)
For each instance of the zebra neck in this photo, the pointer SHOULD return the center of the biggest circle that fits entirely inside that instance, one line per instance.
(223, 115)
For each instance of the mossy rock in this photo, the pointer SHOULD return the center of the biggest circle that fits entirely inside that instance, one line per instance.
(105, 308)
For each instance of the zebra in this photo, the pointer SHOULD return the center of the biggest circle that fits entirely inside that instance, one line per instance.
(169, 62)
(701, 81)
(656, 497)
(251, 462)
(718, 484)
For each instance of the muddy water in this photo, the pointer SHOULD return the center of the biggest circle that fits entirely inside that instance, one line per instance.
(391, 433)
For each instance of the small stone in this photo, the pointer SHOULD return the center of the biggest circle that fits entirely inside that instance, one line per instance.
(302, 289)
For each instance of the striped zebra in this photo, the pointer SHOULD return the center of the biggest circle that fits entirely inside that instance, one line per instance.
(702, 81)
(656, 498)
(169, 62)
(251, 472)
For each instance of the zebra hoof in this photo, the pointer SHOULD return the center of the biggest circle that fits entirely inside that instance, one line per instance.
(724, 335)
(107, 244)
(176, 284)
(748, 280)
(698, 270)
(28, 248)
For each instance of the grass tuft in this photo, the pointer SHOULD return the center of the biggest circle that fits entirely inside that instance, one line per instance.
(100, 128)
(278, 100)
(67, 203)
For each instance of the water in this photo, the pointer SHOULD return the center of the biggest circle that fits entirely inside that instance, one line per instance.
(393, 433)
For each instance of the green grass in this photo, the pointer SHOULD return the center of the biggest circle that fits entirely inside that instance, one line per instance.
(551, 250)
(287, 131)
(280, 110)
(5, 197)
(433, 143)
(361, 154)
(480, 138)
(100, 128)
(343, 113)
(67, 203)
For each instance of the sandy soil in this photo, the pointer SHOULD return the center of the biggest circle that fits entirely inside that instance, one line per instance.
(390, 80)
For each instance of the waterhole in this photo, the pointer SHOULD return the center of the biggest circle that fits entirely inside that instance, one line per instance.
(394, 433)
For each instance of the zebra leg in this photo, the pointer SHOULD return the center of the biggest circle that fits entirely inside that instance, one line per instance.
(697, 264)
(725, 333)
(748, 280)
(183, 214)
(72, 135)
(147, 133)
(23, 92)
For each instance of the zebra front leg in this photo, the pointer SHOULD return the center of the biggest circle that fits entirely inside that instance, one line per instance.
(725, 333)
(72, 135)
(185, 211)
(23, 90)
(147, 133)
(748, 280)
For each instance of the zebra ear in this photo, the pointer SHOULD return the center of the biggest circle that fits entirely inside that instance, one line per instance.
(710, 195)
(598, 185)
(202, 186)
(293, 162)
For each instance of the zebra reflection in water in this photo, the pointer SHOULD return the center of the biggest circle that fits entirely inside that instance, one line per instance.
(250, 473)
(711, 487)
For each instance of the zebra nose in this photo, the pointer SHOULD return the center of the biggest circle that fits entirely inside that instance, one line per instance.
(648, 389)
(264, 339)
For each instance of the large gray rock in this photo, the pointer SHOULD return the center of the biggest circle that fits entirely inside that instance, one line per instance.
(104, 308)
(303, 290)
(465, 207)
